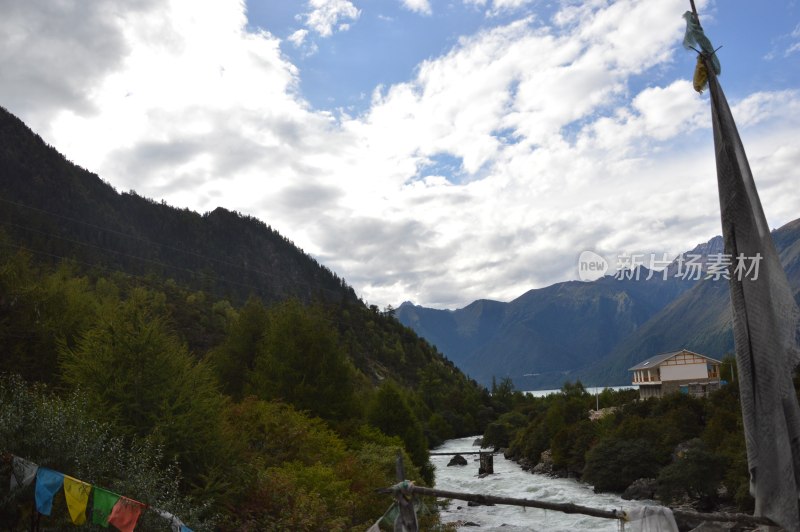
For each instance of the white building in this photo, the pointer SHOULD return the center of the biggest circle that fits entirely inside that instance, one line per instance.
(678, 371)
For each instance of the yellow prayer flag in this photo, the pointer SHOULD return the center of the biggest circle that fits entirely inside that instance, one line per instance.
(700, 80)
(77, 494)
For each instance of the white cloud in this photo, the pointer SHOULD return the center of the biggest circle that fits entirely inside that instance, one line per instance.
(510, 4)
(656, 114)
(325, 15)
(298, 37)
(765, 107)
(793, 46)
(218, 101)
(300, 40)
(556, 151)
(418, 6)
(54, 53)
(497, 7)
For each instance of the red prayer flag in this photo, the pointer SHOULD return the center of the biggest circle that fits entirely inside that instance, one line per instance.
(125, 514)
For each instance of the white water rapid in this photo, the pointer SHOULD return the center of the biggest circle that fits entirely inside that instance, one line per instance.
(509, 480)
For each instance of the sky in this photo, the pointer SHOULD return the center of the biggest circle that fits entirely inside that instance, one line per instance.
(429, 151)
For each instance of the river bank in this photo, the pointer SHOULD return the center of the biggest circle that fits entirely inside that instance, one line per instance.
(509, 480)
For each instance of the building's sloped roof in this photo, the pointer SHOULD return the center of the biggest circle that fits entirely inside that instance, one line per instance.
(658, 359)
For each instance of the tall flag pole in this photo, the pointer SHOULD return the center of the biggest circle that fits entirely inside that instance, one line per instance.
(765, 317)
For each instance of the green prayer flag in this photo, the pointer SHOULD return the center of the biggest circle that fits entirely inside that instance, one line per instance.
(103, 502)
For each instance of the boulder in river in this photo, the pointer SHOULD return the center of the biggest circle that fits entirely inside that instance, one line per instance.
(545, 465)
(641, 488)
(473, 503)
(457, 460)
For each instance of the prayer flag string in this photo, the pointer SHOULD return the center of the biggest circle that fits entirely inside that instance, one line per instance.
(107, 507)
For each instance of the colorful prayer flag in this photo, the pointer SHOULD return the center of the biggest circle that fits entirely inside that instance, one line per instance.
(107, 507)
(48, 482)
(76, 493)
(125, 514)
(103, 501)
(175, 524)
(22, 473)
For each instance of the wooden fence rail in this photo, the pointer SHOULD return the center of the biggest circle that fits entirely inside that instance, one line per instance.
(681, 516)
(464, 452)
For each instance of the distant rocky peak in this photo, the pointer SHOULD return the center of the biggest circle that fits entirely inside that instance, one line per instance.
(699, 255)
(715, 245)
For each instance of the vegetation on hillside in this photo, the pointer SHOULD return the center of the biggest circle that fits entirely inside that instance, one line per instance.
(218, 370)
(693, 448)
(57, 210)
(280, 416)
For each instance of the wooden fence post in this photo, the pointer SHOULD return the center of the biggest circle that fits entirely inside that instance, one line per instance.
(486, 464)
(407, 518)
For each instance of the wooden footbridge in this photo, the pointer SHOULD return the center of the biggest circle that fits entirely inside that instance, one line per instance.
(485, 460)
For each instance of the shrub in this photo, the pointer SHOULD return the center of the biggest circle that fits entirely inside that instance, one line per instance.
(612, 464)
(571, 444)
(695, 472)
(79, 445)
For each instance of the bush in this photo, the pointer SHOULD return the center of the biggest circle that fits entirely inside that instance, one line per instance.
(389, 412)
(498, 433)
(612, 464)
(303, 362)
(695, 472)
(571, 444)
(80, 446)
(137, 374)
(296, 497)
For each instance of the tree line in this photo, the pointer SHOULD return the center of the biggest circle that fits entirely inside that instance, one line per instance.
(262, 416)
(678, 449)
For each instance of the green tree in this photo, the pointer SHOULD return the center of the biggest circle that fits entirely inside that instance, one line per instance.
(724, 436)
(612, 465)
(303, 363)
(389, 412)
(271, 433)
(37, 312)
(234, 361)
(571, 444)
(136, 373)
(696, 472)
(503, 394)
(499, 432)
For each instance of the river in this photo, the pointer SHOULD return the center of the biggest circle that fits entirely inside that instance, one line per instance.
(509, 480)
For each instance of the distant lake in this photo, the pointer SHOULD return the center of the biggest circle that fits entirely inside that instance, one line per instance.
(592, 390)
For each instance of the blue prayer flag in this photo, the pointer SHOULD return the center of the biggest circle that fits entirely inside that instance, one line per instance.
(48, 482)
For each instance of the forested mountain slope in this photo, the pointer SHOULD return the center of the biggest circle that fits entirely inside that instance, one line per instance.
(592, 331)
(57, 209)
(201, 364)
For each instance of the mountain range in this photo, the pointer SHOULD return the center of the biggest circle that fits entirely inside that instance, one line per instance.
(59, 213)
(59, 210)
(593, 331)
